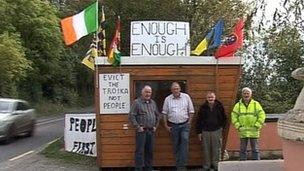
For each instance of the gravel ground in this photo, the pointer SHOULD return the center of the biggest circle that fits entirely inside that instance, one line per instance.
(37, 162)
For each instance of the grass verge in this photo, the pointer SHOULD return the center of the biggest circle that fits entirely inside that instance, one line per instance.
(55, 150)
(47, 109)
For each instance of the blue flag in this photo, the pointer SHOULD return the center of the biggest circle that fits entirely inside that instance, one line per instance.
(212, 39)
(218, 31)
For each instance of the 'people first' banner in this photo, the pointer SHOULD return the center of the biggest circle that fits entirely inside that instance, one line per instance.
(159, 38)
(80, 134)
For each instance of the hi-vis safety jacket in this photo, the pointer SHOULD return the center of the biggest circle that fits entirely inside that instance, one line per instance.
(248, 120)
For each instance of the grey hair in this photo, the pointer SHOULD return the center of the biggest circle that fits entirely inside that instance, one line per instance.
(247, 89)
(146, 87)
(175, 84)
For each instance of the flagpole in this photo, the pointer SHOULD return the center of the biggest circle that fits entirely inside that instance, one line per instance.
(103, 18)
(226, 131)
(224, 138)
(119, 48)
(216, 77)
(96, 94)
(96, 39)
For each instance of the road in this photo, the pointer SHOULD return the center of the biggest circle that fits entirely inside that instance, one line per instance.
(46, 131)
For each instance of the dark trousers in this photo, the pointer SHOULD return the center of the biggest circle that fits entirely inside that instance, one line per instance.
(180, 137)
(211, 143)
(254, 148)
(144, 150)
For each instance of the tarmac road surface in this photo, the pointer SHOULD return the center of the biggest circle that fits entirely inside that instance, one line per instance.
(46, 130)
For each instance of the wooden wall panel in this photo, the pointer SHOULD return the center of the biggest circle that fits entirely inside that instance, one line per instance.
(116, 145)
(116, 163)
(228, 71)
(200, 79)
(117, 141)
(110, 148)
(112, 125)
(227, 79)
(115, 133)
(110, 118)
(201, 87)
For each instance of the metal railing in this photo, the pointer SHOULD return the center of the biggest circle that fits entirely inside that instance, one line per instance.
(273, 117)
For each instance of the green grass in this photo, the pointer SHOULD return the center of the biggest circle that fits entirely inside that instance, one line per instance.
(55, 150)
(47, 109)
(44, 109)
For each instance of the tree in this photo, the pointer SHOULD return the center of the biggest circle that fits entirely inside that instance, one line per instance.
(206, 13)
(133, 10)
(38, 25)
(200, 19)
(49, 70)
(286, 50)
(273, 53)
(14, 65)
(33, 28)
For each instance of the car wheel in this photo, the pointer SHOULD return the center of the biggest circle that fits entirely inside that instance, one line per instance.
(10, 135)
(30, 133)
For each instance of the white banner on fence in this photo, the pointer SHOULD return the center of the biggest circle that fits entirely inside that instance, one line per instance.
(159, 38)
(80, 134)
(114, 91)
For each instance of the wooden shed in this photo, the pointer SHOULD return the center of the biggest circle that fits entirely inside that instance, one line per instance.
(197, 75)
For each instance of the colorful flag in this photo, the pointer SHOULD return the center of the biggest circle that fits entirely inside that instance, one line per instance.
(233, 42)
(102, 35)
(212, 39)
(92, 53)
(215, 42)
(81, 24)
(89, 59)
(114, 54)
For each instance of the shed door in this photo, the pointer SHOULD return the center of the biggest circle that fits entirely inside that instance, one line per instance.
(160, 89)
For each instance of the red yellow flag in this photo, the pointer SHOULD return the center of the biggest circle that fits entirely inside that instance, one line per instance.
(114, 54)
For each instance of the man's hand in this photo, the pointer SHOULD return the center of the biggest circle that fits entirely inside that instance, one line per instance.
(199, 137)
(190, 118)
(154, 129)
(140, 129)
(166, 125)
(168, 128)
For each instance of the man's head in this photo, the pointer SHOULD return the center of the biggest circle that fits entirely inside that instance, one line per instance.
(210, 97)
(175, 89)
(246, 94)
(146, 92)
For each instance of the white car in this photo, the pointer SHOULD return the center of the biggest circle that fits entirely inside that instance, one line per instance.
(16, 118)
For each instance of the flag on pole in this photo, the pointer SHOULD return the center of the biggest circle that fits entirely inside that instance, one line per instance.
(212, 39)
(233, 42)
(81, 24)
(114, 54)
(93, 52)
(91, 55)
(102, 35)
(218, 31)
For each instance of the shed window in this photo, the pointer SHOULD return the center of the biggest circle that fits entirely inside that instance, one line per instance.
(160, 89)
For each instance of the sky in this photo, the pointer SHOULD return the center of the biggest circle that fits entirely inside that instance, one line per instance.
(270, 8)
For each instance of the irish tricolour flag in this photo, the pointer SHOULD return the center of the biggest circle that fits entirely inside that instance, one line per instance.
(81, 24)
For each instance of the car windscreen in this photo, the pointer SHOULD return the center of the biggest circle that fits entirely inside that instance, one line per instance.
(5, 106)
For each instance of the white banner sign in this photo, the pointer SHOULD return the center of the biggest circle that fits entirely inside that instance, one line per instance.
(159, 38)
(80, 134)
(114, 91)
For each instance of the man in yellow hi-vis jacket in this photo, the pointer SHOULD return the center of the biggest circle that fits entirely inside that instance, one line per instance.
(248, 117)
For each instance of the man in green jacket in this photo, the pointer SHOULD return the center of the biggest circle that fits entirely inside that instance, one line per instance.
(248, 117)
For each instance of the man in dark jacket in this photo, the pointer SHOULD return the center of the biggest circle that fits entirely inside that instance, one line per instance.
(210, 122)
